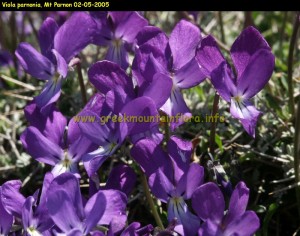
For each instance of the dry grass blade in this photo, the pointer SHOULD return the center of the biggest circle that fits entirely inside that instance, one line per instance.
(274, 158)
(5, 119)
(28, 86)
(18, 96)
(283, 180)
(7, 168)
(286, 188)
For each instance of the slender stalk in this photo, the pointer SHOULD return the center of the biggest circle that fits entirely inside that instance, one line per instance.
(216, 98)
(150, 201)
(248, 19)
(22, 35)
(14, 36)
(282, 30)
(222, 45)
(221, 26)
(81, 83)
(213, 125)
(297, 155)
(290, 65)
(32, 26)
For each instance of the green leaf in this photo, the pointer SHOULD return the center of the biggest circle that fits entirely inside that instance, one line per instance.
(219, 142)
(271, 211)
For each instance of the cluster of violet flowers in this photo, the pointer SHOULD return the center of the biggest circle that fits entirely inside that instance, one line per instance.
(162, 67)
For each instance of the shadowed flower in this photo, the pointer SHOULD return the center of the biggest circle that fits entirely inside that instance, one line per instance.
(113, 82)
(208, 202)
(58, 47)
(121, 177)
(219, 175)
(171, 185)
(135, 229)
(106, 207)
(117, 99)
(254, 64)
(117, 30)
(110, 136)
(5, 58)
(32, 211)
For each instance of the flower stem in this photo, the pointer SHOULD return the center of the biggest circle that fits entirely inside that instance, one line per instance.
(290, 65)
(248, 19)
(222, 45)
(213, 125)
(14, 37)
(32, 26)
(81, 83)
(282, 31)
(221, 26)
(150, 201)
(292, 108)
(297, 155)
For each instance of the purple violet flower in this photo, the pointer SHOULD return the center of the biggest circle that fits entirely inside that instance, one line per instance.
(110, 136)
(58, 47)
(6, 219)
(254, 64)
(44, 140)
(220, 175)
(113, 81)
(6, 58)
(174, 57)
(117, 99)
(11, 198)
(59, 16)
(117, 30)
(208, 202)
(103, 208)
(135, 229)
(121, 177)
(32, 213)
(171, 185)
